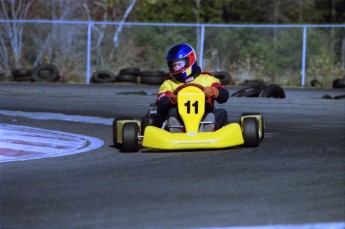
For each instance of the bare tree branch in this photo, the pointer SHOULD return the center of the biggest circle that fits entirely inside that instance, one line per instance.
(119, 29)
(13, 31)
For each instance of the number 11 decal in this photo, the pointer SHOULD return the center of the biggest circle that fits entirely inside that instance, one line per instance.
(195, 105)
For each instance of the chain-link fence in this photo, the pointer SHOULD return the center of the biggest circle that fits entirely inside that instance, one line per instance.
(283, 54)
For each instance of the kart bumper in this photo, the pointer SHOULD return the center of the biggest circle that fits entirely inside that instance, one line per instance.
(228, 136)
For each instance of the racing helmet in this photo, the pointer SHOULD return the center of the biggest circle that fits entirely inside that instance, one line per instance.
(181, 60)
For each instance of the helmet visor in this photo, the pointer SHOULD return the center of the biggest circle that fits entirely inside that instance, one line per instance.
(178, 65)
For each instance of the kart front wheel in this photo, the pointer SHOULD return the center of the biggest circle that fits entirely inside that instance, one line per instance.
(250, 130)
(261, 122)
(116, 144)
(130, 140)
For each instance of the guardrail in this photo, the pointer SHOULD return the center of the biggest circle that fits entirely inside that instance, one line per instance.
(200, 39)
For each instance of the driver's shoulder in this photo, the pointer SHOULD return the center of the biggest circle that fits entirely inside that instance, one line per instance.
(206, 77)
(170, 84)
(206, 73)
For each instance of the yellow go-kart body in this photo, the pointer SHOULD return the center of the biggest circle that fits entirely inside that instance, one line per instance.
(191, 108)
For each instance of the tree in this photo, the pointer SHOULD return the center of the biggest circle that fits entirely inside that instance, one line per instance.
(13, 31)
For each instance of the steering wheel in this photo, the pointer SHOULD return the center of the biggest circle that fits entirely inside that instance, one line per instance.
(187, 85)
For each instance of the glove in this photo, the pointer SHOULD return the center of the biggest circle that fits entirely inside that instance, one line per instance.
(173, 99)
(211, 92)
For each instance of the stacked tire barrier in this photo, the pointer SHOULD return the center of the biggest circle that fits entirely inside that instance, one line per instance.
(40, 73)
(130, 75)
(103, 77)
(45, 73)
(153, 77)
(20, 74)
(257, 88)
(224, 77)
(252, 88)
(338, 83)
(135, 75)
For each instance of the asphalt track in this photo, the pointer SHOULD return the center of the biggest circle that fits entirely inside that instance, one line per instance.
(295, 177)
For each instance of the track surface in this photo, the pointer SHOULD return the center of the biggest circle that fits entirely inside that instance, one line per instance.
(296, 176)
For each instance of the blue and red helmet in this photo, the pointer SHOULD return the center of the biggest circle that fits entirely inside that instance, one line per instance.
(181, 53)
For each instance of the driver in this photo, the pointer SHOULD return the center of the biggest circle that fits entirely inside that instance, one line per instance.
(183, 69)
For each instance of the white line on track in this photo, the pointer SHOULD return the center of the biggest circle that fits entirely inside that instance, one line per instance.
(335, 225)
(20, 143)
(58, 116)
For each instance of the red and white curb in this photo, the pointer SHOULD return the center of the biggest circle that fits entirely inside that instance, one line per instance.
(20, 143)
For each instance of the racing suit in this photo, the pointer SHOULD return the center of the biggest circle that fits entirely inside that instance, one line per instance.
(166, 109)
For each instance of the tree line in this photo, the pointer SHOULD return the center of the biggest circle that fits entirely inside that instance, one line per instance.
(241, 11)
(252, 51)
(183, 11)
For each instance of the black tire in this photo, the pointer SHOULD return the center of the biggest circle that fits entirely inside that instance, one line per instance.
(326, 97)
(103, 77)
(152, 77)
(130, 141)
(224, 77)
(339, 97)
(339, 83)
(249, 83)
(250, 131)
(316, 83)
(150, 120)
(144, 122)
(128, 75)
(273, 91)
(45, 73)
(2, 75)
(130, 71)
(21, 74)
(117, 145)
(252, 91)
(127, 78)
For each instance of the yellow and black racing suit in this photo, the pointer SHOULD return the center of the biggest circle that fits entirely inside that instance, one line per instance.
(166, 109)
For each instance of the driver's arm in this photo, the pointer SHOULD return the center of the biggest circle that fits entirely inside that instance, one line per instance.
(165, 103)
(166, 98)
(223, 95)
(218, 92)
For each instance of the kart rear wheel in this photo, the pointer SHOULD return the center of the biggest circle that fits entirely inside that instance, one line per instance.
(250, 130)
(130, 141)
(150, 120)
(145, 122)
(117, 145)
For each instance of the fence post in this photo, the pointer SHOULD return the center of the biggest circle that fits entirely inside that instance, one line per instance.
(343, 53)
(304, 54)
(201, 48)
(88, 68)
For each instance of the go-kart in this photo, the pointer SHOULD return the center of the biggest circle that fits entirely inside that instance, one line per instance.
(130, 135)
